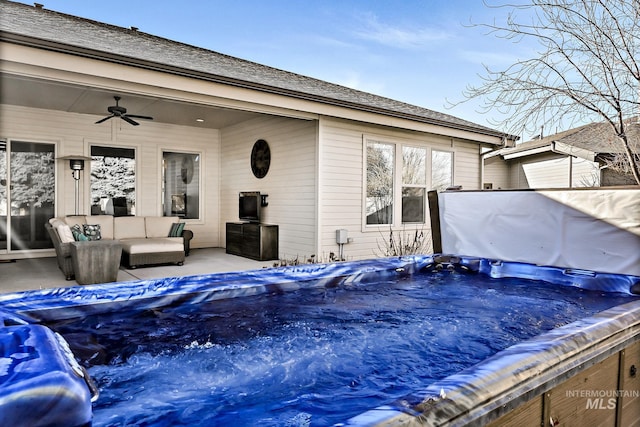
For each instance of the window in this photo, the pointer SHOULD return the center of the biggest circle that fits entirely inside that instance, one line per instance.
(181, 184)
(414, 183)
(113, 181)
(441, 170)
(417, 175)
(380, 168)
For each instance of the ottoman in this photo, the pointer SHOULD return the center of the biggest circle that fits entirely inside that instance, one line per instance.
(96, 261)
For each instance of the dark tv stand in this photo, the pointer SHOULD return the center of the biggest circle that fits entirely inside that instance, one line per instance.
(252, 240)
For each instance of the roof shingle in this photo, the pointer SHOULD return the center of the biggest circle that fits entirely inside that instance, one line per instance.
(599, 138)
(130, 45)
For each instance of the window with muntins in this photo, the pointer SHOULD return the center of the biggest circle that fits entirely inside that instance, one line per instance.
(420, 169)
(414, 184)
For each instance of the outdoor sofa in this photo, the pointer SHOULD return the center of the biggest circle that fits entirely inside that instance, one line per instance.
(145, 240)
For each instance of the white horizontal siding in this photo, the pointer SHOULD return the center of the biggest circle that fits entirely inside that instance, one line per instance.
(584, 173)
(553, 171)
(517, 177)
(341, 182)
(290, 182)
(549, 173)
(496, 172)
(74, 133)
(467, 165)
(313, 189)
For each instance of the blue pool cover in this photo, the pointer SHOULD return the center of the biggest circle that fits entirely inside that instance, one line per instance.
(41, 384)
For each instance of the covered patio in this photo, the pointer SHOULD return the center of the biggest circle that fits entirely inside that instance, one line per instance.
(41, 273)
(207, 128)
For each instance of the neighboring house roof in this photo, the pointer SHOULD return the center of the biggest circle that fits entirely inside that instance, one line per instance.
(38, 27)
(601, 139)
(586, 141)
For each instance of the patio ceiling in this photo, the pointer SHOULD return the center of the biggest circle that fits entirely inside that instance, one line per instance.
(36, 93)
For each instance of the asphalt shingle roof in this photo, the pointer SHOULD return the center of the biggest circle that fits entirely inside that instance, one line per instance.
(599, 138)
(27, 24)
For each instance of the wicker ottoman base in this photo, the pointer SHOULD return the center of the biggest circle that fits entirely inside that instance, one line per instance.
(137, 260)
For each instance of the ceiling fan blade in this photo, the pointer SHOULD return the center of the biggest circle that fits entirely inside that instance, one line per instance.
(105, 119)
(140, 117)
(118, 111)
(128, 120)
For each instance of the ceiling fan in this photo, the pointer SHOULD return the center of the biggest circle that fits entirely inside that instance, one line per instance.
(118, 111)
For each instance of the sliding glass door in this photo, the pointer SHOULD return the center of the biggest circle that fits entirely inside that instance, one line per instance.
(27, 183)
(4, 188)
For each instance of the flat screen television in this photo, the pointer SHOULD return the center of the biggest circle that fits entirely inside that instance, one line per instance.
(249, 206)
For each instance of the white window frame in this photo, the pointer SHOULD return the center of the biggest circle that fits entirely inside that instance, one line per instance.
(136, 150)
(199, 180)
(397, 180)
(424, 186)
(451, 171)
(367, 141)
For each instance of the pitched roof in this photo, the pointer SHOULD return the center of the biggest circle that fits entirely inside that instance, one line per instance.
(598, 138)
(43, 28)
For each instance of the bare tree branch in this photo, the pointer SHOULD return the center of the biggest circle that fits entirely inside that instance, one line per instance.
(586, 69)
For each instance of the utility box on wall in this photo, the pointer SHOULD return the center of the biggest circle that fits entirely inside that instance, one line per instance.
(342, 236)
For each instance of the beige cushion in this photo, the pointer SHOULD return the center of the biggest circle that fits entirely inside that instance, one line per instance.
(148, 246)
(72, 220)
(159, 226)
(128, 227)
(106, 225)
(55, 222)
(64, 233)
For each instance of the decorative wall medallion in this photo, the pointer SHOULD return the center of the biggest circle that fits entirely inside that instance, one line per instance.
(260, 158)
(186, 169)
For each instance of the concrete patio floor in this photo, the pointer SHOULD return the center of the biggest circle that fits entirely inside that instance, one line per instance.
(41, 273)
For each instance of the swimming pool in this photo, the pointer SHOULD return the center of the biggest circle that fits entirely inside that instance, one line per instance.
(311, 345)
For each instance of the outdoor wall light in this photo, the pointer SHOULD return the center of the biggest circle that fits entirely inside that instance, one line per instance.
(76, 164)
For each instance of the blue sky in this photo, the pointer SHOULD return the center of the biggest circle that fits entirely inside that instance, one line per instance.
(418, 51)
